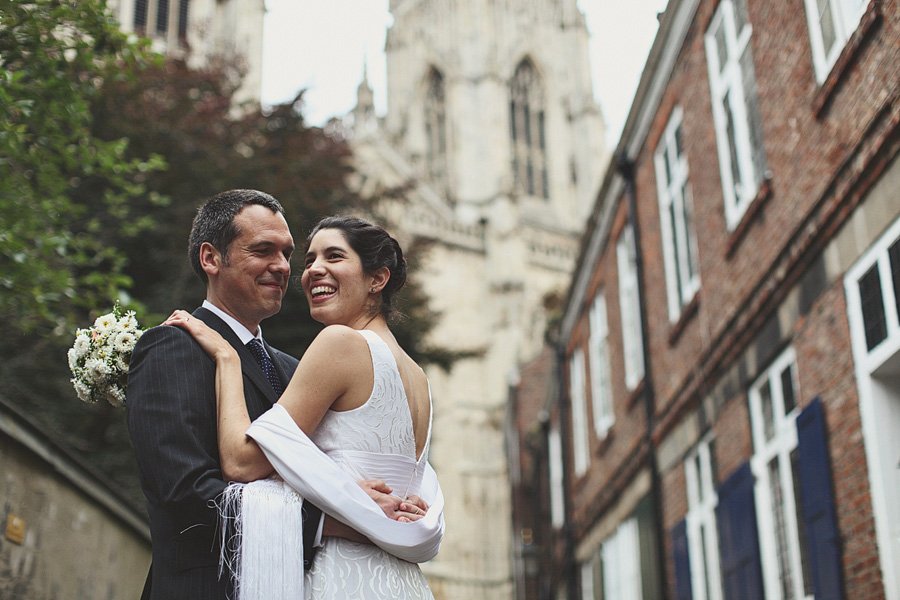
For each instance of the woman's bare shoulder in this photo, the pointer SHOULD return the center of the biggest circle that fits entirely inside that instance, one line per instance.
(337, 341)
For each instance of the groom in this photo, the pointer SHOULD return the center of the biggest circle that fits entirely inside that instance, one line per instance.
(241, 246)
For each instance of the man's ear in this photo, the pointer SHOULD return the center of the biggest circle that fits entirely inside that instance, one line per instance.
(380, 279)
(210, 259)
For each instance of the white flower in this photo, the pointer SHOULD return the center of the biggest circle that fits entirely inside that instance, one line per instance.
(115, 396)
(83, 390)
(104, 324)
(82, 343)
(97, 369)
(128, 322)
(121, 363)
(124, 341)
(73, 359)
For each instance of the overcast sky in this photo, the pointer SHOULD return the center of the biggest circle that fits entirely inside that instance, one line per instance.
(321, 45)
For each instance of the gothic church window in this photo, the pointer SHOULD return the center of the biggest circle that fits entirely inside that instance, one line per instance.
(436, 127)
(526, 120)
(164, 19)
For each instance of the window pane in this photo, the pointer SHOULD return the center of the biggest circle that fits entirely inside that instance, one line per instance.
(162, 16)
(732, 145)
(826, 23)
(679, 143)
(874, 320)
(754, 123)
(686, 207)
(787, 389)
(183, 10)
(768, 414)
(140, 15)
(679, 277)
(894, 257)
(801, 527)
(784, 570)
(740, 15)
(721, 47)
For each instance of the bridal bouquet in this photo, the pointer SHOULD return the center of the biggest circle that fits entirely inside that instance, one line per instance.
(99, 358)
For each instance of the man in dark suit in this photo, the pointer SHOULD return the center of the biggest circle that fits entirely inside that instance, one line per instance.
(240, 244)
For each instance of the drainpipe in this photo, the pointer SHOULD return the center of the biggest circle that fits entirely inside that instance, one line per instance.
(625, 167)
(569, 569)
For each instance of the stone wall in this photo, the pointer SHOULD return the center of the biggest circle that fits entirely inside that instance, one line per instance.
(66, 534)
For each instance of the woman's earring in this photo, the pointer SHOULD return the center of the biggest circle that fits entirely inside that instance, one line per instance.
(371, 290)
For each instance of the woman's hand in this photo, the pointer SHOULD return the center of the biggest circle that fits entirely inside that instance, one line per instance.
(208, 338)
(404, 510)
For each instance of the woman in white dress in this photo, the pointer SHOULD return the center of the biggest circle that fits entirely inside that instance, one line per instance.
(361, 399)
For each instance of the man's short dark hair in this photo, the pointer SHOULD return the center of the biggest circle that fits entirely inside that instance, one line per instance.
(214, 222)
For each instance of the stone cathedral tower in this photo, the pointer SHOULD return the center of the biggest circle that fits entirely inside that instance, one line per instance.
(492, 121)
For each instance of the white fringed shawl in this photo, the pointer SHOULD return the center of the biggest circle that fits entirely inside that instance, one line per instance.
(263, 517)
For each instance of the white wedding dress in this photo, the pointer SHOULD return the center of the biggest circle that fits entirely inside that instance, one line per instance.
(373, 441)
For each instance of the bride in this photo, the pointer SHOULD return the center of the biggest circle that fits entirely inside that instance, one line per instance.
(357, 397)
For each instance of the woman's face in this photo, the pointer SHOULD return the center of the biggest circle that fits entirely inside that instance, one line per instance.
(333, 280)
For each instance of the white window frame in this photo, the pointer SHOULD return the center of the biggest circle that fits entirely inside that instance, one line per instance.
(876, 403)
(629, 308)
(555, 460)
(727, 80)
(621, 557)
(779, 447)
(586, 571)
(601, 385)
(845, 16)
(580, 442)
(703, 542)
(679, 239)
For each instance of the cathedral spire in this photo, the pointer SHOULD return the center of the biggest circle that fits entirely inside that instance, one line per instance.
(364, 113)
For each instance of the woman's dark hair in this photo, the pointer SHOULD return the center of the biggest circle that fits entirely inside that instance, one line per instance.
(375, 247)
(214, 222)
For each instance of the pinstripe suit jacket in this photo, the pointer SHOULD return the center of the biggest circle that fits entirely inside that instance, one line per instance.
(171, 413)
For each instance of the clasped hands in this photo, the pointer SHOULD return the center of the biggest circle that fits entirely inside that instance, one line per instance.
(402, 510)
(405, 510)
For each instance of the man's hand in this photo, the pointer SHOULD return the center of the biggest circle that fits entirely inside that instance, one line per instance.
(404, 510)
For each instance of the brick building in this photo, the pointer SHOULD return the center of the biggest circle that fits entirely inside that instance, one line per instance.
(727, 420)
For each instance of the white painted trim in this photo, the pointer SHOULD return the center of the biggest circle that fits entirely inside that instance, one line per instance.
(846, 18)
(557, 493)
(779, 447)
(580, 444)
(866, 362)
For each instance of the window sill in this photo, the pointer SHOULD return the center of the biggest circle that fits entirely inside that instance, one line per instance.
(838, 74)
(750, 215)
(687, 314)
(604, 443)
(636, 394)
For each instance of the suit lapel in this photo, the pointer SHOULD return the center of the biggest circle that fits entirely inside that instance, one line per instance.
(249, 366)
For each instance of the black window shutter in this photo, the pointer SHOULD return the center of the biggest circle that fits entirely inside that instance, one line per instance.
(738, 540)
(817, 503)
(682, 561)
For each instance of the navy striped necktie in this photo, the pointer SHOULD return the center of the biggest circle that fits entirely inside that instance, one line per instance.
(268, 367)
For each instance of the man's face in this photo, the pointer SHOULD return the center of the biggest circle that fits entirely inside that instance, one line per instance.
(252, 279)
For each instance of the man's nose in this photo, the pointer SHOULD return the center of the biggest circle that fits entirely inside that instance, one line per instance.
(281, 264)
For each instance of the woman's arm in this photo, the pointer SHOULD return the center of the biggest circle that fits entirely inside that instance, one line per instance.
(239, 456)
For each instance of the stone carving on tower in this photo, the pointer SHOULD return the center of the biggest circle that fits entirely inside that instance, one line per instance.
(492, 124)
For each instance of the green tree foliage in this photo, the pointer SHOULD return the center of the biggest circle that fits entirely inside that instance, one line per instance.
(54, 59)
